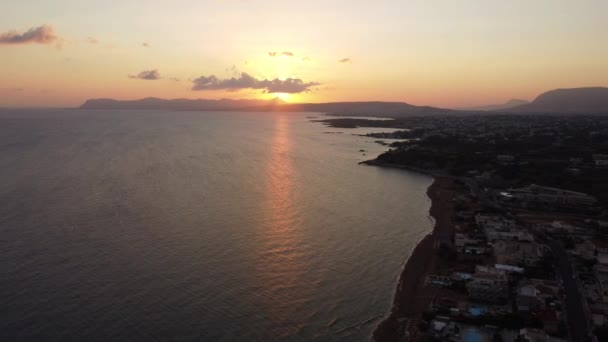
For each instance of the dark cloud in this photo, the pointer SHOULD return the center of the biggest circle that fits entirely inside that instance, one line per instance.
(16, 90)
(246, 81)
(149, 75)
(290, 85)
(145, 44)
(40, 35)
(284, 53)
(345, 60)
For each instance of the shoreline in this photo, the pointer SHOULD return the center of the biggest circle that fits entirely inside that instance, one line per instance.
(432, 173)
(411, 297)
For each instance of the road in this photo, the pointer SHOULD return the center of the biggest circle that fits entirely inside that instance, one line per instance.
(578, 320)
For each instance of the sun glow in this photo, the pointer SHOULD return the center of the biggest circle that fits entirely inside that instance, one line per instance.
(282, 96)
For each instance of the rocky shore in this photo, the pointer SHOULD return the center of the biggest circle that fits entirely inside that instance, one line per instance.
(433, 173)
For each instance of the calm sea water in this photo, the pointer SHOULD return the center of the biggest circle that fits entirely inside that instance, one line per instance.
(197, 226)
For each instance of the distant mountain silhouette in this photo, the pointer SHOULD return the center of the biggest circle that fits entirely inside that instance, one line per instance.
(509, 104)
(574, 100)
(153, 103)
(386, 109)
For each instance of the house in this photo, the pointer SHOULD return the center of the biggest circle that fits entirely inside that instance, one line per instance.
(528, 299)
(461, 240)
(493, 288)
(493, 221)
(439, 280)
(550, 319)
(516, 235)
(442, 328)
(523, 253)
(585, 250)
(536, 335)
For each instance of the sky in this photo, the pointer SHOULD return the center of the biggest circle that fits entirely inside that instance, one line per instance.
(442, 53)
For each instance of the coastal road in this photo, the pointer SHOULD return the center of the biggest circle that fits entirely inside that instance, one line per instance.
(578, 320)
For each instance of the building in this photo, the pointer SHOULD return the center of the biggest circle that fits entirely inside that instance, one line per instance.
(585, 250)
(536, 195)
(439, 280)
(525, 254)
(550, 319)
(505, 159)
(461, 240)
(536, 335)
(508, 269)
(528, 299)
(493, 288)
(493, 222)
(442, 328)
(600, 160)
(601, 274)
(517, 235)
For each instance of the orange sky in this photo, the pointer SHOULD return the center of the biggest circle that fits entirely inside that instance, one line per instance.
(442, 53)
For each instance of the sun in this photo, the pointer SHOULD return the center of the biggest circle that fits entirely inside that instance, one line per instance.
(282, 96)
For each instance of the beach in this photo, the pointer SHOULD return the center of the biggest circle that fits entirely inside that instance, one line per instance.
(412, 298)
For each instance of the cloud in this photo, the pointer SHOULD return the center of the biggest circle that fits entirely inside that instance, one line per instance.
(246, 81)
(40, 35)
(345, 60)
(145, 44)
(149, 75)
(306, 59)
(16, 89)
(278, 54)
(92, 40)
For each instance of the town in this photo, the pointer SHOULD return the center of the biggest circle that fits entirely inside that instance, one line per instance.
(523, 252)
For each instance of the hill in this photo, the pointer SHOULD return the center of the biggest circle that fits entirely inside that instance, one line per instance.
(563, 101)
(509, 104)
(374, 108)
(560, 101)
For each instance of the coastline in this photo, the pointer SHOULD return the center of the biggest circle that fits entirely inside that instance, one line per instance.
(432, 173)
(411, 297)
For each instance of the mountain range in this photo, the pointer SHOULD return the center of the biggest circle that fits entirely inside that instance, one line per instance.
(592, 100)
(371, 108)
(507, 105)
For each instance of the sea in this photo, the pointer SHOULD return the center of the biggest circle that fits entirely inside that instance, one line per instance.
(198, 226)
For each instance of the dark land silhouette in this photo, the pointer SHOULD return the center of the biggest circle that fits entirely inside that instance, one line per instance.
(559, 101)
(507, 105)
(390, 109)
(574, 100)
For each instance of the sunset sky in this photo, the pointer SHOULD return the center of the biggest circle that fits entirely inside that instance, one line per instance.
(427, 52)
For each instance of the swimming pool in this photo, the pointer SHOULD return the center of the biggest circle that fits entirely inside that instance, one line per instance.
(478, 310)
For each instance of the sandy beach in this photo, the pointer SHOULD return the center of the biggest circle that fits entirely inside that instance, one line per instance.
(412, 298)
